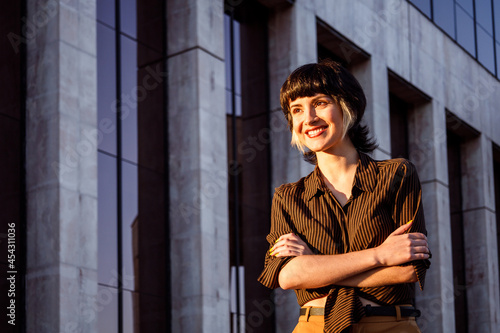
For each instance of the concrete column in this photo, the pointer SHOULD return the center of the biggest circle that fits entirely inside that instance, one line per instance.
(480, 235)
(292, 43)
(372, 75)
(198, 167)
(427, 140)
(61, 149)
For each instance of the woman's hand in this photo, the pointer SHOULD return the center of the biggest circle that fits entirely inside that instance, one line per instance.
(400, 248)
(290, 245)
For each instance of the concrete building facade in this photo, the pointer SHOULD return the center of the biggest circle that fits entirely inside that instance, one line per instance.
(144, 140)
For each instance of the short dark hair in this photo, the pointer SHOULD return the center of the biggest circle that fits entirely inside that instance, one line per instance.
(330, 78)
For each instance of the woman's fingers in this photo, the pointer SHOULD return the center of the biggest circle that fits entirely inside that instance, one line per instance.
(402, 229)
(289, 245)
(401, 248)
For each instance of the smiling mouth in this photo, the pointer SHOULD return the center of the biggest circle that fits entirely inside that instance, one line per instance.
(315, 132)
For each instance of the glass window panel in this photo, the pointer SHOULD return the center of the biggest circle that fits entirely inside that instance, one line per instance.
(106, 12)
(236, 46)
(227, 50)
(496, 12)
(423, 5)
(129, 223)
(237, 102)
(130, 312)
(444, 15)
(467, 6)
(486, 54)
(484, 15)
(106, 87)
(131, 94)
(128, 15)
(465, 31)
(107, 220)
(229, 104)
(107, 309)
(498, 67)
(237, 57)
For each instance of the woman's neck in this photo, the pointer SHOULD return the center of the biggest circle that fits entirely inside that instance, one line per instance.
(336, 165)
(338, 171)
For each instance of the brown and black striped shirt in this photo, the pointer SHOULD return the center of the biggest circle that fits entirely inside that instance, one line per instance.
(385, 195)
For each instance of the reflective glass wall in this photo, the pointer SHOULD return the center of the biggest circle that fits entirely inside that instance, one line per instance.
(473, 24)
(132, 197)
(248, 142)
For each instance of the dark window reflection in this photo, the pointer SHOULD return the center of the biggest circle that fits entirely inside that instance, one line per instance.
(106, 87)
(465, 31)
(399, 126)
(443, 11)
(457, 231)
(132, 255)
(423, 5)
(106, 12)
(484, 15)
(248, 188)
(131, 94)
(107, 217)
(486, 55)
(129, 222)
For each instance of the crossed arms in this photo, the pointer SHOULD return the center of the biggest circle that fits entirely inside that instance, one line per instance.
(373, 267)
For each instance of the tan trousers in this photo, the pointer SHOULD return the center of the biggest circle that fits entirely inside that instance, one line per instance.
(373, 324)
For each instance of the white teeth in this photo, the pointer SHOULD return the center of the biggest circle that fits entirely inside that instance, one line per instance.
(315, 132)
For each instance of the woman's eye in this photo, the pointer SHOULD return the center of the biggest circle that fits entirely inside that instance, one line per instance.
(295, 111)
(320, 103)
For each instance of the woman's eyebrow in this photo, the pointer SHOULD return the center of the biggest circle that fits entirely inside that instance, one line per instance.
(323, 96)
(295, 105)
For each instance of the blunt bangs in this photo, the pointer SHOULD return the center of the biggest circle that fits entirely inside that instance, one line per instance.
(306, 81)
(332, 79)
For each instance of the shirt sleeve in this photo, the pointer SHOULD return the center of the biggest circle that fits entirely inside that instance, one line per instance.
(280, 225)
(408, 206)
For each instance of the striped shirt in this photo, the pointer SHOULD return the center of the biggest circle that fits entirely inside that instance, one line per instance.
(385, 195)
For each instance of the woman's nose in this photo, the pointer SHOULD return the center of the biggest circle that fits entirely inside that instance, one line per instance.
(310, 116)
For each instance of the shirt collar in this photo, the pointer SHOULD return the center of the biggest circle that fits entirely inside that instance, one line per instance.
(314, 184)
(365, 178)
(366, 173)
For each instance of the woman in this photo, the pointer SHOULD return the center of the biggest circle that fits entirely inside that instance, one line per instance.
(349, 237)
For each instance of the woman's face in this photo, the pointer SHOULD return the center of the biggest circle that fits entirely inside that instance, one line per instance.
(317, 122)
